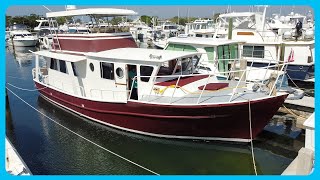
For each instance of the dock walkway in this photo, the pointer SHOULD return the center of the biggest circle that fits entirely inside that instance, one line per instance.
(14, 163)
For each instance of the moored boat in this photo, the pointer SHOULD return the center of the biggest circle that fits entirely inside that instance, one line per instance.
(19, 36)
(167, 101)
(148, 91)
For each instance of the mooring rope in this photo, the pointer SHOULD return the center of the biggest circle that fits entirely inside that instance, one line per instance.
(252, 153)
(297, 85)
(16, 77)
(23, 89)
(121, 157)
(294, 114)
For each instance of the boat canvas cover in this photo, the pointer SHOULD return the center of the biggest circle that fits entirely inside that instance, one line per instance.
(237, 14)
(203, 41)
(60, 56)
(92, 11)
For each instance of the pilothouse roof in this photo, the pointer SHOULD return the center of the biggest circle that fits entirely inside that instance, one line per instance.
(140, 54)
(105, 12)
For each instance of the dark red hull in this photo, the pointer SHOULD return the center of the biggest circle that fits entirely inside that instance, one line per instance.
(224, 122)
(93, 44)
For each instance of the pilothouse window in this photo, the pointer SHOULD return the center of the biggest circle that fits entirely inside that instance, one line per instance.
(107, 70)
(63, 67)
(145, 71)
(53, 64)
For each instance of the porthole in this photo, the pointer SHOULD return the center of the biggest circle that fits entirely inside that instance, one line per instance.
(91, 67)
(119, 72)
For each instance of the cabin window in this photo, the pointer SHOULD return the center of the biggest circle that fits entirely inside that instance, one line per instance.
(91, 67)
(253, 51)
(204, 68)
(210, 52)
(74, 69)
(146, 71)
(63, 67)
(107, 70)
(53, 64)
(119, 72)
(180, 47)
(223, 56)
(233, 51)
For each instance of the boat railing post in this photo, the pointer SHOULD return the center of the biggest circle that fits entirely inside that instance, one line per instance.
(177, 83)
(267, 69)
(204, 87)
(37, 67)
(235, 89)
(153, 81)
(132, 87)
(251, 65)
(275, 83)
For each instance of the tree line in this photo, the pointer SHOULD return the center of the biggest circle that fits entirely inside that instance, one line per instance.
(30, 20)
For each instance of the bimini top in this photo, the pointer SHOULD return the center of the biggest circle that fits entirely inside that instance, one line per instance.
(202, 41)
(140, 54)
(237, 14)
(104, 12)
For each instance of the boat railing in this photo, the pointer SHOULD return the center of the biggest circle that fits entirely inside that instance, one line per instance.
(207, 81)
(65, 87)
(114, 92)
(268, 36)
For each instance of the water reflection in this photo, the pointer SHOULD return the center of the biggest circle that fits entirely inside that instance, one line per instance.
(22, 55)
(284, 125)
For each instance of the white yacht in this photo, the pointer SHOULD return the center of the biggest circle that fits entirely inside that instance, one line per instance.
(20, 36)
(262, 42)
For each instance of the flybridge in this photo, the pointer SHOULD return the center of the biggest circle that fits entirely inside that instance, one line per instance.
(79, 38)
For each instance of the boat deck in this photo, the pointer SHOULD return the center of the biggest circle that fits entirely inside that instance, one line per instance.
(209, 96)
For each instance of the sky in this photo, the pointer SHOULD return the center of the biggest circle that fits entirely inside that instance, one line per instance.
(167, 11)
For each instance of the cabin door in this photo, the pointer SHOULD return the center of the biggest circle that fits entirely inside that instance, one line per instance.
(120, 81)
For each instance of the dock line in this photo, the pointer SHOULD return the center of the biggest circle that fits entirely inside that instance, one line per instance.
(252, 153)
(23, 89)
(111, 152)
(297, 85)
(293, 113)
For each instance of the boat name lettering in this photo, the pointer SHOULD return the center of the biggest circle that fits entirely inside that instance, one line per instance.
(155, 56)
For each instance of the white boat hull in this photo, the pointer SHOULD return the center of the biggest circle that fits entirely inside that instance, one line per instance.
(23, 42)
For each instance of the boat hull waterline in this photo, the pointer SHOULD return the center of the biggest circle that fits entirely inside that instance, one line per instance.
(225, 122)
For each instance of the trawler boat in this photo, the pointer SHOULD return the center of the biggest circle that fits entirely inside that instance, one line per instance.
(148, 91)
(19, 36)
(154, 92)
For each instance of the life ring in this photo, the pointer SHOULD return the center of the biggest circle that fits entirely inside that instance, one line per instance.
(46, 43)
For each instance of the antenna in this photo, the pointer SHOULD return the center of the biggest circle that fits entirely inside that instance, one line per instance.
(46, 8)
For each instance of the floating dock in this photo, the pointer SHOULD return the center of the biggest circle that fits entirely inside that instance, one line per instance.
(303, 164)
(307, 102)
(14, 163)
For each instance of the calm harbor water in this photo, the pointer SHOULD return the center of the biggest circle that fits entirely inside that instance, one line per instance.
(48, 148)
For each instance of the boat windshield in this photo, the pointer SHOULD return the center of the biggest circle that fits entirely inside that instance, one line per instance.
(183, 66)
